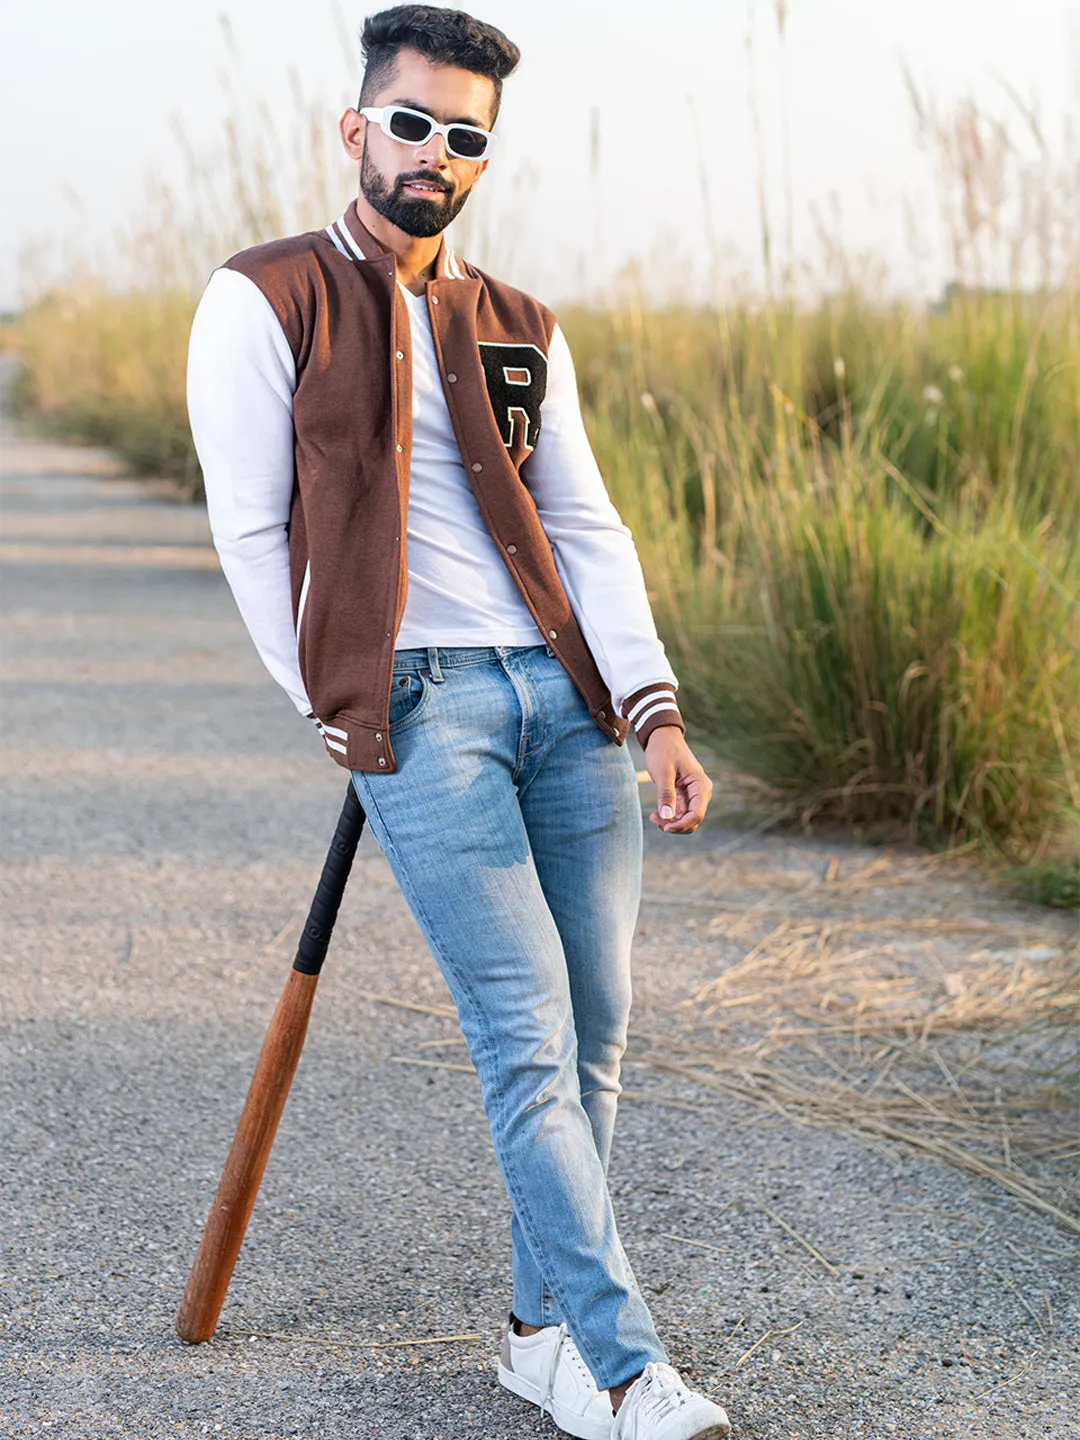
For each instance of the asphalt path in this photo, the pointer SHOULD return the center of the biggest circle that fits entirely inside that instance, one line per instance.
(165, 817)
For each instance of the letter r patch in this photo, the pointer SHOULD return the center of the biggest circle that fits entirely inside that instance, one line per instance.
(516, 379)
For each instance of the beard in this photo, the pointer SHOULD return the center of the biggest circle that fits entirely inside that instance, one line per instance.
(420, 218)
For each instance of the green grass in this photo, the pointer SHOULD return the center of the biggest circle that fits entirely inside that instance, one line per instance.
(1052, 885)
(106, 367)
(876, 638)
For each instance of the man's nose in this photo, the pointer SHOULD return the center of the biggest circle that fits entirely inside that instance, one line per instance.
(433, 153)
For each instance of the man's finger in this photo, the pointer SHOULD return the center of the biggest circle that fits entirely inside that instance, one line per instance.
(693, 791)
(666, 795)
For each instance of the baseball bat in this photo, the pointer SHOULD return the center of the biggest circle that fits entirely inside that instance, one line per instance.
(267, 1093)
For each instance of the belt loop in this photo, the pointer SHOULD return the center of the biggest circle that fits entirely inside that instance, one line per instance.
(433, 664)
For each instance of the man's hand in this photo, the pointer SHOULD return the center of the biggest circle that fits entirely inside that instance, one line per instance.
(683, 790)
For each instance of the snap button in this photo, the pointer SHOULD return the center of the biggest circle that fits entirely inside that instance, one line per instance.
(452, 379)
(553, 634)
(379, 737)
(601, 714)
(400, 449)
(511, 549)
(477, 467)
(381, 760)
(434, 299)
(401, 354)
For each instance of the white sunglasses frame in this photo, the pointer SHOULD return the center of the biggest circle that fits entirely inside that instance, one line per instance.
(380, 115)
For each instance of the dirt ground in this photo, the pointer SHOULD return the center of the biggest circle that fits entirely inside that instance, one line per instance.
(846, 1217)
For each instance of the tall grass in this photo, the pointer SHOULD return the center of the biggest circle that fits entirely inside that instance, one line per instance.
(879, 618)
(858, 518)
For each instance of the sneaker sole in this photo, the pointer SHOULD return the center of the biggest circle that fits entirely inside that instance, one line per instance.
(576, 1425)
(715, 1430)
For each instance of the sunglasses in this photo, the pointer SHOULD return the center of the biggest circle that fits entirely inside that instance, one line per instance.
(413, 127)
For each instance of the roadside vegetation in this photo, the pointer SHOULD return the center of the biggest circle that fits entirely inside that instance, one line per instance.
(858, 517)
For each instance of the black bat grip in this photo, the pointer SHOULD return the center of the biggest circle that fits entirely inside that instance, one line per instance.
(319, 926)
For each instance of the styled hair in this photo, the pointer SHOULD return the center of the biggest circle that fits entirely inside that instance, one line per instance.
(445, 37)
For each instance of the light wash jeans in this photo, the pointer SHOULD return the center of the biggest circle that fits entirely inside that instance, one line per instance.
(513, 827)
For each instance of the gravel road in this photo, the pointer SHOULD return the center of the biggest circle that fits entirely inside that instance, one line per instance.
(166, 813)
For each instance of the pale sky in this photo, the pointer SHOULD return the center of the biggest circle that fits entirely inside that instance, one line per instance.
(91, 94)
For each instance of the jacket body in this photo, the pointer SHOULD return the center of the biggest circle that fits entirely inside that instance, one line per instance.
(348, 328)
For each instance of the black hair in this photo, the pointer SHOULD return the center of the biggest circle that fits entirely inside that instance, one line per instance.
(445, 37)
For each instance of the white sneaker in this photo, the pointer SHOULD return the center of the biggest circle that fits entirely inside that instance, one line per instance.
(658, 1406)
(547, 1369)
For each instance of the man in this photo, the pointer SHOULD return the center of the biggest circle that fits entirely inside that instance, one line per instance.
(416, 533)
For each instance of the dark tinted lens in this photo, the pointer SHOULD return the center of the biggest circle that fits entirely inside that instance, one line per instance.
(469, 144)
(412, 128)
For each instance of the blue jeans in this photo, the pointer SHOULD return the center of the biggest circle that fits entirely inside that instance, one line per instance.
(513, 827)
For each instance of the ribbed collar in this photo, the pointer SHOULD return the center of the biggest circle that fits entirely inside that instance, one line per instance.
(352, 237)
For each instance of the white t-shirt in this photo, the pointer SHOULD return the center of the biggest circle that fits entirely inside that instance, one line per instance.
(460, 591)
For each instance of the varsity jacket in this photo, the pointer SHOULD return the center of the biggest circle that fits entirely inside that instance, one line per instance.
(335, 296)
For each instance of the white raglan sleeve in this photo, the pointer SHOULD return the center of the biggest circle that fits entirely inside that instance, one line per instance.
(240, 382)
(596, 557)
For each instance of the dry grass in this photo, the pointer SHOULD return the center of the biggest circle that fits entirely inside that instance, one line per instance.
(818, 971)
(883, 1020)
(968, 1126)
(472, 1337)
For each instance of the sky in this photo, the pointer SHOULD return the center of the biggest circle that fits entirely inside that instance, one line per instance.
(627, 138)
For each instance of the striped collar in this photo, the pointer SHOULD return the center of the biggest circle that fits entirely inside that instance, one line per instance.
(352, 237)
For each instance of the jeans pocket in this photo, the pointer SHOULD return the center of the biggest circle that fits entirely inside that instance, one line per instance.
(409, 696)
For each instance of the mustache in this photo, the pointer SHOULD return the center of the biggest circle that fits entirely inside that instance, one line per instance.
(427, 177)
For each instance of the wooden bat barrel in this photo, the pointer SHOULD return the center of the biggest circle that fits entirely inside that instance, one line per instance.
(269, 1089)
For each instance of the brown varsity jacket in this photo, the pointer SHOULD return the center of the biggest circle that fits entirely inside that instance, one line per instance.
(353, 433)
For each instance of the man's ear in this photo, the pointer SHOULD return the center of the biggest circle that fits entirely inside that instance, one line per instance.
(353, 128)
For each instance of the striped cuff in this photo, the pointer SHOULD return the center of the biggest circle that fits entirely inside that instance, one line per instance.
(332, 737)
(650, 707)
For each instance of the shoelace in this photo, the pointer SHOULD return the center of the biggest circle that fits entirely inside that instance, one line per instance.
(563, 1347)
(553, 1365)
(663, 1392)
